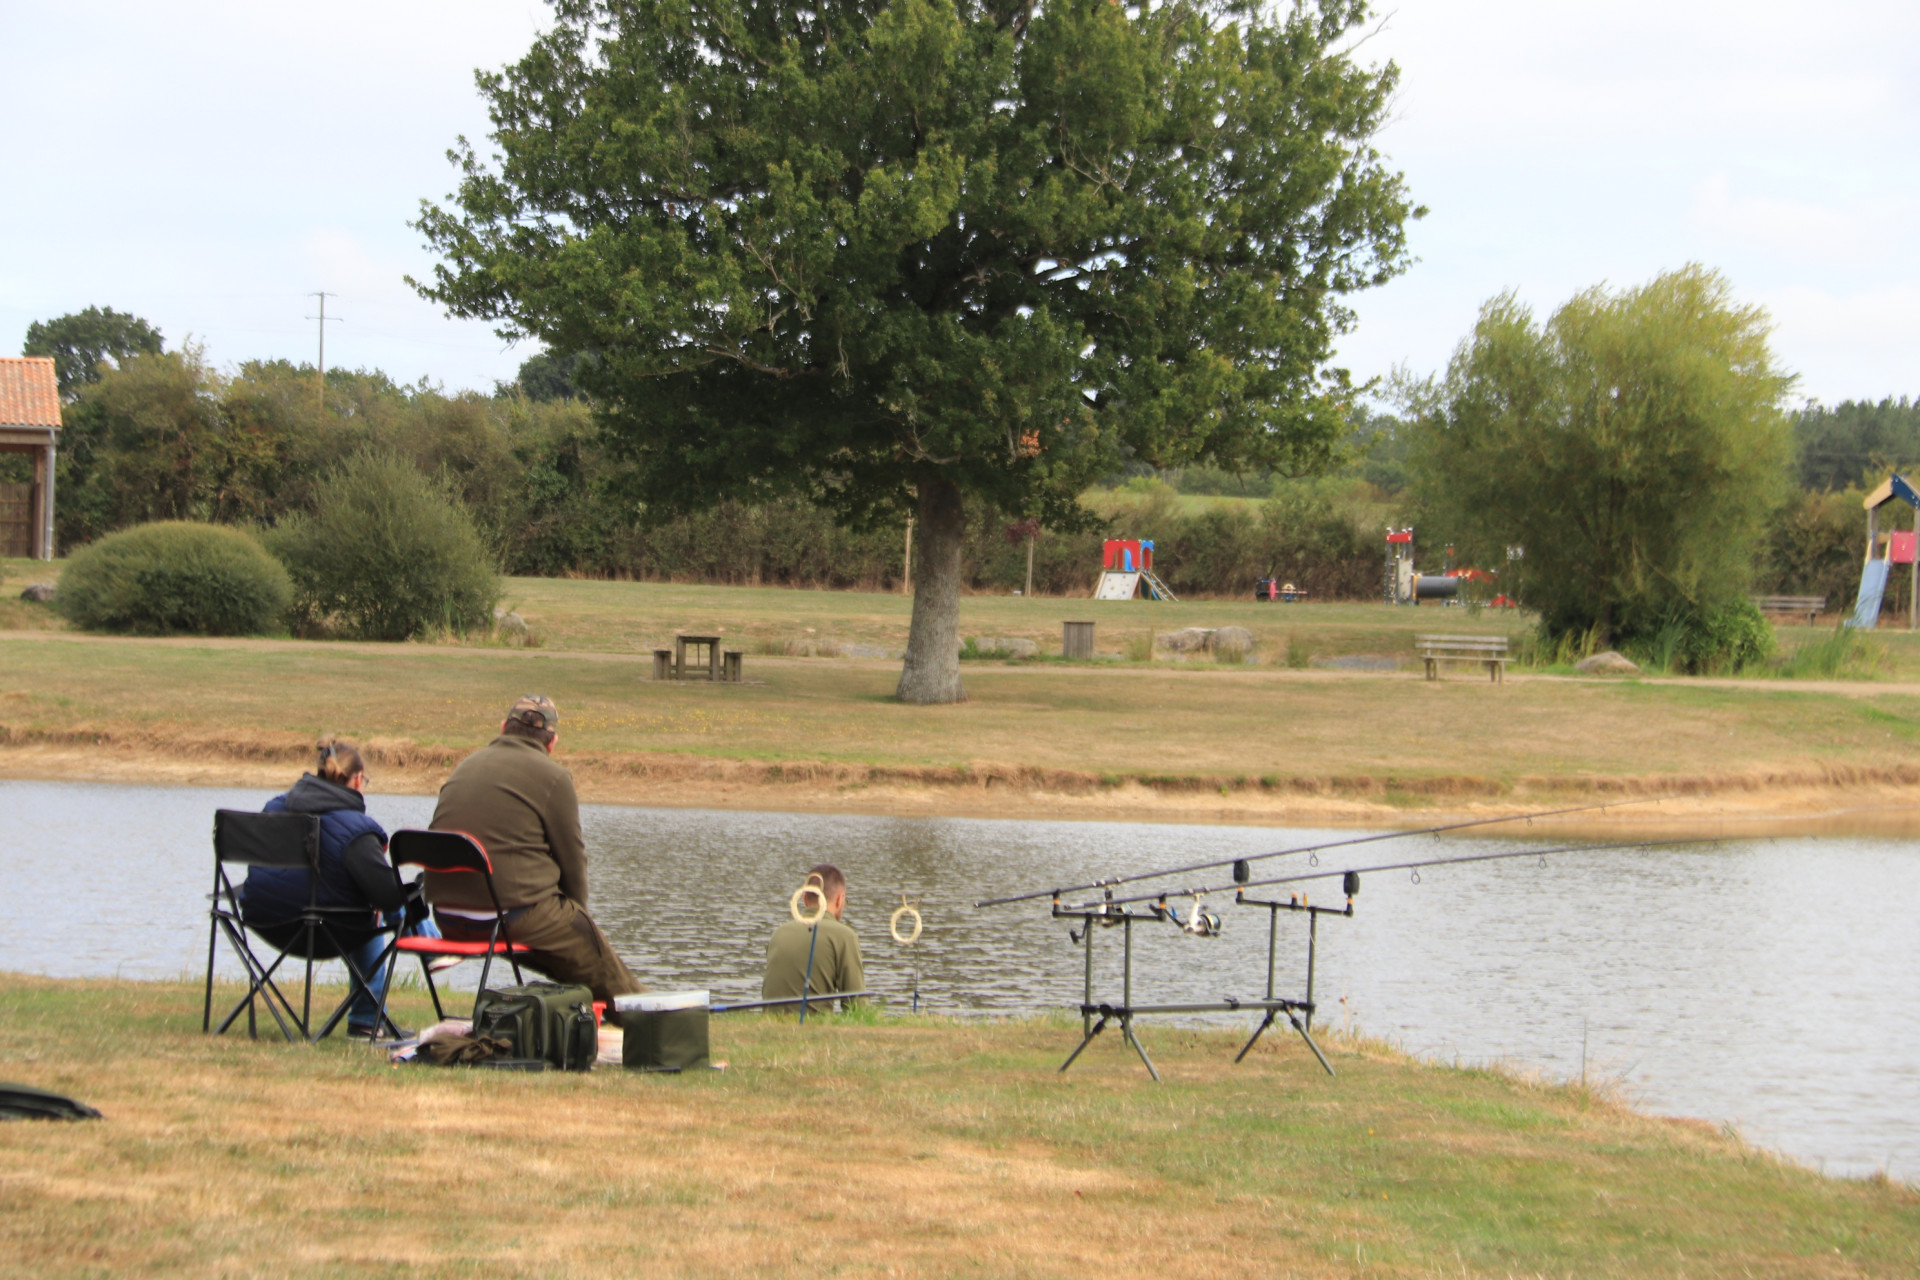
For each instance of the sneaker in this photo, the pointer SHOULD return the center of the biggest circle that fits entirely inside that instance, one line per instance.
(440, 964)
(358, 1031)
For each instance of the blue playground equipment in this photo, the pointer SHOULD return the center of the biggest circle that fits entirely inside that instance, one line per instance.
(1899, 548)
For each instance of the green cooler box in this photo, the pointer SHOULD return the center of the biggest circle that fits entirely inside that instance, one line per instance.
(663, 1030)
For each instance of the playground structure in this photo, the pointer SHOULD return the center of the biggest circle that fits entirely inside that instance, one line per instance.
(1126, 565)
(1406, 584)
(1883, 552)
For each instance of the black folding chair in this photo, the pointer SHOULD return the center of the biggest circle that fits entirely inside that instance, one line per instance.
(450, 853)
(317, 933)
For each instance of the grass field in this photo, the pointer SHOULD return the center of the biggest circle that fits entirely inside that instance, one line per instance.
(1277, 729)
(871, 1148)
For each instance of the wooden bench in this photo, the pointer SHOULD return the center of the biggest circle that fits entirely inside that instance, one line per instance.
(1491, 650)
(1812, 606)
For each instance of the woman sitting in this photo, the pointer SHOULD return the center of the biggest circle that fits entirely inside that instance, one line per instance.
(354, 872)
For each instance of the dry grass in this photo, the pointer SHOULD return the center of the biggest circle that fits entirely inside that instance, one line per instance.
(1195, 741)
(910, 1147)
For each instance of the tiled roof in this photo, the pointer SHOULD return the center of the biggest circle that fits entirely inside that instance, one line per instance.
(29, 393)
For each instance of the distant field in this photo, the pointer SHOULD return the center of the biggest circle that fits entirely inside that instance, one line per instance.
(1272, 735)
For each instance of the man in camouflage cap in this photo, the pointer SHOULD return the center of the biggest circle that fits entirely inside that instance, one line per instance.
(519, 803)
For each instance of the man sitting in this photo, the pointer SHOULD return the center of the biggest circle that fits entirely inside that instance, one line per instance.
(819, 959)
(520, 805)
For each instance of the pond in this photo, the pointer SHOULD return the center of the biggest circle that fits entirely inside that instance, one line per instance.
(1767, 985)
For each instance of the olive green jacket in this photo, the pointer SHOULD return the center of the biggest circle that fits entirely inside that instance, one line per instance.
(836, 960)
(519, 803)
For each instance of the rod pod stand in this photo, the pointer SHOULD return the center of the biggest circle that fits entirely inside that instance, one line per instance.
(1096, 1016)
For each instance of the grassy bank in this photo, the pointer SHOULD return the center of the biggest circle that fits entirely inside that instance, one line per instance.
(1194, 740)
(906, 1147)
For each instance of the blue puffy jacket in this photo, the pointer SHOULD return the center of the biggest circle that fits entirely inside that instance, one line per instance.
(353, 863)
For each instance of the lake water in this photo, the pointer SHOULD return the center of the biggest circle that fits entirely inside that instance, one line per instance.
(1765, 984)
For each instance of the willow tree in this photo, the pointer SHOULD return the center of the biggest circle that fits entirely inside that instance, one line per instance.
(896, 254)
(1634, 445)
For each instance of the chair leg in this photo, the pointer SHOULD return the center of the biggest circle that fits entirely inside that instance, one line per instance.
(260, 986)
(206, 1008)
(433, 989)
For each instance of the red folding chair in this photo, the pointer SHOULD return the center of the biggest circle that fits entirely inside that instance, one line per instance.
(450, 853)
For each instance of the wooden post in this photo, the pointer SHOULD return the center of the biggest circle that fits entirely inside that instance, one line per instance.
(906, 572)
(1076, 640)
(1030, 537)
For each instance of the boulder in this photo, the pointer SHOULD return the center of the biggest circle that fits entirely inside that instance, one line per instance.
(39, 593)
(866, 651)
(1185, 640)
(1230, 640)
(1012, 646)
(1607, 663)
(511, 625)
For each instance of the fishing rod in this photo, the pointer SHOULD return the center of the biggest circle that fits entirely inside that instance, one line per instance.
(815, 997)
(1309, 848)
(1242, 884)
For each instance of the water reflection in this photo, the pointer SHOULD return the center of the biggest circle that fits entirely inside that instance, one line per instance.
(1765, 984)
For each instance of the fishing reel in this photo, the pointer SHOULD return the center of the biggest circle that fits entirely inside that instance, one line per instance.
(1200, 922)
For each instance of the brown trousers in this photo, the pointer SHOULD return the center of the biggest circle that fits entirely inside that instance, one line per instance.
(563, 943)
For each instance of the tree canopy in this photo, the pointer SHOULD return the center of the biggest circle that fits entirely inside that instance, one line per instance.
(80, 343)
(1634, 445)
(890, 253)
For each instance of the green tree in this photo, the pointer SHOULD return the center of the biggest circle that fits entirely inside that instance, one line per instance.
(1634, 445)
(1840, 445)
(892, 254)
(80, 343)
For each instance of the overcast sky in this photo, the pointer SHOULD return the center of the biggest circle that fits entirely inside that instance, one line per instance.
(209, 165)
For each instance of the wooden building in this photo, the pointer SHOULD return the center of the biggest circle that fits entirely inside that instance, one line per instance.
(29, 424)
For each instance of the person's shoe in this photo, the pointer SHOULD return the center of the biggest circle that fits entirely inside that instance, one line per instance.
(440, 964)
(358, 1031)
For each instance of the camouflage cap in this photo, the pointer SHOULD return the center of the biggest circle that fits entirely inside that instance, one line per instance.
(536, 711)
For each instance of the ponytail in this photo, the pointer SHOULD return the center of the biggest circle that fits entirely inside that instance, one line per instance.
(339, 759)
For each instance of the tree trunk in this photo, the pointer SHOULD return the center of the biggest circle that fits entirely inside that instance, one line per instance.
(932, 670)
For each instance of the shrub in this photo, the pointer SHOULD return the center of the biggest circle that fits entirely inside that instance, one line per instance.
(174, 576)
(1702, 640)
(387, 554)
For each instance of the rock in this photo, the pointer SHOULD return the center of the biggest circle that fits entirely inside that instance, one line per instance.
(864, 651)
(1607, 663)
(509, 624)
(39, 593)
(1185, 640)
(1011, 646)
(1231, 640)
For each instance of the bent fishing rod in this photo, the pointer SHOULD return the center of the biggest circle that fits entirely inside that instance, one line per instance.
(1305, 848)
(1415, 867)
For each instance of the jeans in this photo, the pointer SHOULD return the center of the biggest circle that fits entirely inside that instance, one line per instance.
(366, 958)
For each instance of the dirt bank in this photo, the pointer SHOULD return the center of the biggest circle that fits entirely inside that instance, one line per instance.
(1818, 800)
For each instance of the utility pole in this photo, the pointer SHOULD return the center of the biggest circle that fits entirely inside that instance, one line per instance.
(323, 317)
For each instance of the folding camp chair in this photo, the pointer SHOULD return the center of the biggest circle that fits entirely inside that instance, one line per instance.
(450, 853)
(317, 933)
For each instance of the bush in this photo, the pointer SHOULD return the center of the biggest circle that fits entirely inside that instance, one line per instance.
(387, 554)
(1709, 639)
(175, 576)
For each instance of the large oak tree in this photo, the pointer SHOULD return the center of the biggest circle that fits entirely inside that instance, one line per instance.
(893, 254)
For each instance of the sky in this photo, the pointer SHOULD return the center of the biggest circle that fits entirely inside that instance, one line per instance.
(209, 165)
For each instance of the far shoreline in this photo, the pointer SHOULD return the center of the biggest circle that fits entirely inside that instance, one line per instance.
(1635, 808)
